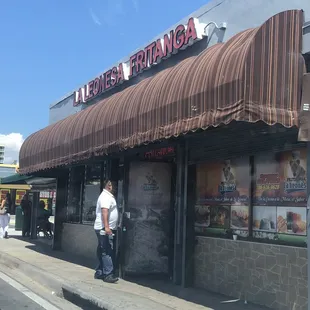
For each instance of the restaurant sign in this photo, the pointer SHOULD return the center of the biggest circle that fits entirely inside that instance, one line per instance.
(171, 43)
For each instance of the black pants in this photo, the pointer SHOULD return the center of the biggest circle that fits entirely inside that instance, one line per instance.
(105, 254)
(26, 225)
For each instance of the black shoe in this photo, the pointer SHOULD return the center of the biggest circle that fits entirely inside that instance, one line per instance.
(110, 279)
(6, 236)
(98, 276)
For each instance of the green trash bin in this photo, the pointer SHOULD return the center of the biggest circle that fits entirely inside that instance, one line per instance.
(19, 218)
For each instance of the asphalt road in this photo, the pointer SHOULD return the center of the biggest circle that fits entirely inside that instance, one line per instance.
(12, 299)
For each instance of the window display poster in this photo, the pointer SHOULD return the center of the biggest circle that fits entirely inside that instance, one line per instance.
(265, 218)
(292, 220)
(149, 185)
(293, 165)
(239, 217)
(148, 229)
(268, 179)
(223, 182)
(202, 216)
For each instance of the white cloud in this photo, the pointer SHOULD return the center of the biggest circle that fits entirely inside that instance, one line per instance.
(94, 17)
(12, 143)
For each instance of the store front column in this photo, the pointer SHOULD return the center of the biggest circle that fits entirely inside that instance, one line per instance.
(183, 226)
(61, 193)
(34, 212)
(308, 218)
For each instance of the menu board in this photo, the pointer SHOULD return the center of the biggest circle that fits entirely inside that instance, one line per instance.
(224, 182)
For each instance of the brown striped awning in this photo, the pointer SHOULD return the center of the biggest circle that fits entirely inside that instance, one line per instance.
(256, 75)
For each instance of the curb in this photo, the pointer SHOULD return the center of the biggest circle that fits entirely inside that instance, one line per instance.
(113, 299)
(84, 300)
(56, 284)
(36, 273)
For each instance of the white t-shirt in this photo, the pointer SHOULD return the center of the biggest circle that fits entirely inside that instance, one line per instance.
(106, 200)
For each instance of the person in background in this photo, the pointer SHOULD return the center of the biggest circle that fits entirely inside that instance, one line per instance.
(5, 216)
(42, 219)
(105, 228)
(26, 207)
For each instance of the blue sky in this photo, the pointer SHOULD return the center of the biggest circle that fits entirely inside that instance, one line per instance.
(50, 47)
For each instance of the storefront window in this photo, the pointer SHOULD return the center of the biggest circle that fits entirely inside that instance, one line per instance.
(278, 205)
(91, 192)
(279, 210)
(74, 205)
(223, 196)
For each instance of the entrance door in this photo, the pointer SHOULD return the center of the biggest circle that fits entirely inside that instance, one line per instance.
(148, 223)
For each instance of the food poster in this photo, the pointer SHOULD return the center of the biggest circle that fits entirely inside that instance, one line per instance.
(293, 165)
(239, 217)
(202, 216)
(265, 218)
(268, 180)
(281, 178)
(223, 182)
(292, 220)
(148, 228)
(19, 196)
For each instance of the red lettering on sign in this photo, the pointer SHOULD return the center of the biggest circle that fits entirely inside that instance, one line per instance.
(158, 51)
(151, 54)
(179, 37)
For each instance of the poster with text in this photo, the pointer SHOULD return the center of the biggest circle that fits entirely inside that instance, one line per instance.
(148, 229)
(239, 217)
(292, 220)
(293, 165)
(265, 218)
(268, 180)
(150, 185)
(223, 182)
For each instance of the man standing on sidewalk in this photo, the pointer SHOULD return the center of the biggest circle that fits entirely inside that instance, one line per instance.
(105, 227)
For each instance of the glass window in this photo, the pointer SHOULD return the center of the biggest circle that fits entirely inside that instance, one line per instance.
(223, 197)
(91, 192)
(75, 186)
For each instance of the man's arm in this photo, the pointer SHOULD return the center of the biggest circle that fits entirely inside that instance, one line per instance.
(105, 206)
(105, 220)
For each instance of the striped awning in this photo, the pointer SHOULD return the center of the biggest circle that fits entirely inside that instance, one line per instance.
(256, 75)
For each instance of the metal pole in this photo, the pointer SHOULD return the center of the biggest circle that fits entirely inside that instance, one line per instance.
(186, 230)
(34, 208)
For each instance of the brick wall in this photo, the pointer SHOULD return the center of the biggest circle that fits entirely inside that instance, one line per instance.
(270, 275)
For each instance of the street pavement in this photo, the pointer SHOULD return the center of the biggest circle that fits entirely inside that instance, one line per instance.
(65, 276)
(12, 299)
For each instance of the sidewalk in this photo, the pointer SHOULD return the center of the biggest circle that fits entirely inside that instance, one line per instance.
(64, 275)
